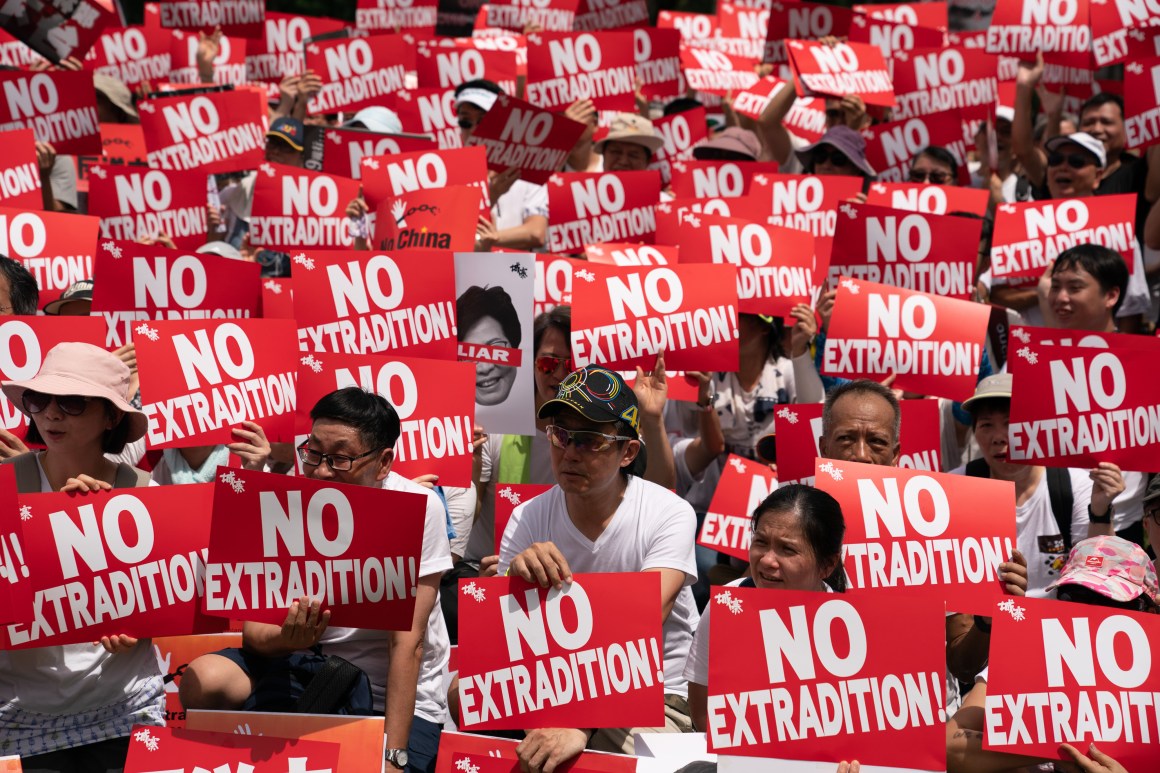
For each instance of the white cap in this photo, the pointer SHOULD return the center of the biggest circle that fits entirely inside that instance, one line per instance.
(1084, 140)
(378, 119)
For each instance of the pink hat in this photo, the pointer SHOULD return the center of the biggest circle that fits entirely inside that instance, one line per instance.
(1112, 567)
(76, 368)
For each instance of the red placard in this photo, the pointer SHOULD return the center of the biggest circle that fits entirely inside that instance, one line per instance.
(932, 82)
(1025, 28)
(1079, 406)
(1028, 236)
(891, 146)
(729, 521)
(16, 594)
(242, 18)
(933, 344)
(398, 175)
(928, 253)
(435, 402)
(19, 171)
(799, 426)
(807, 203)
(222, 131)
(592, 207)
(294, 536)
(430, 111)
(133, 202)
(658, 58)
(58, 29)
(931, 199)
(715, 72)
(229, 66)
(1142, 103)
(807, 118)
(17, 53)
(727, 179)
(681, 132)
(56, 248)
(752, 101)
(518, 134)
(833, 685)
(339, 151)
(200, 379)
(132, 55)
(802, 21)
(554, 281)
(547, 15)
(122, 143)
(1089, 664)
(392, 15)
(368, 302)
(358, 72)
(499, 754)
(566, 66)
(278, 298)
(156, 748)
(296, 209)
(743, 29)
(613, 624)
(611, 14)
(435, 219)
(440, 65)
(508, 496)
(622, 317)
(279, 52)
(774, 264)
(939, 536)
(1119, 32)
(922, 14)
(119, 562)
(60, 106)
(893, 38)
(621, 254)
(694, 27)
(847, 69)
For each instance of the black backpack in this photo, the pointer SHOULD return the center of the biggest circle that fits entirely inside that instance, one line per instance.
(1058, 490)
(313, 683)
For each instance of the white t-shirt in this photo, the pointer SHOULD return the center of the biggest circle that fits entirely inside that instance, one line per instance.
(367, 649)
(481, 543)
(1037, 532)
(521, 201)
(652, 529)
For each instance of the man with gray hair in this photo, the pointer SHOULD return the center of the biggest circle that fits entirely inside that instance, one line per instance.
(861, 422)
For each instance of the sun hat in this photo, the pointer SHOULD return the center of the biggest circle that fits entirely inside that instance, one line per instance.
(77, 291)
(1112, 567)
(116, 92)
(994, 386)
(634, 129)
(845, 139)
(74, 368)
(733, 139)
(1084, 140)
(602, 396)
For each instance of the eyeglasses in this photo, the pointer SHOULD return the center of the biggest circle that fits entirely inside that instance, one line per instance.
(549, 365)
(1153, 513)
(71, 405)
(836, 157)
(336, 462)
(1074, 160)
(586, 441)
(936, 178)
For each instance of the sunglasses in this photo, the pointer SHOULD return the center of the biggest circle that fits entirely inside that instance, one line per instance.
(936, 178)
(1074, 160)
(549, 365)
(71, 405)
(586, 441)
(834, 114)
(836, 157)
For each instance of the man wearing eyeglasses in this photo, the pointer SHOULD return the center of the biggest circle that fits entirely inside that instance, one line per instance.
(603, 517)
(352, 441)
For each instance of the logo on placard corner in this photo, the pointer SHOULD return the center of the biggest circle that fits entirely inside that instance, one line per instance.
(233, 481)
(788, 415)
(112, 249)
(849, 211)
(1018, 613)
(511, 495)
(274, 287)
(692, 220)
(1135, 68)
(1021, 334)
(726, 599)
(98, 171)
(518, 268)
(312, 362)
(305, 262)
(466, 766)
(830, 469)
(148, 332)
(151, 742)
(878, 188)
(851, 285)
(26, 512)
(586, 275)
(1025, 353)
(473, 590)
(147, 107)
(738, 464)
(1007, 209)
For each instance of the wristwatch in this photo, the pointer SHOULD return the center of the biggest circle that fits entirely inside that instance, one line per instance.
(1105, 518)
(397, 758)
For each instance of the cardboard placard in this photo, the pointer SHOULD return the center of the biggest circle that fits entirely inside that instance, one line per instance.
(20, 172)
(358, 72)
(174, 654)
(729, 521)
(841, 70)
(340, 151)
(359, 739)
(16, 591)
(548, 15)
(611, 14)
(727, 179)
(1024, 28)
(592, 207)
(279, 52)
(134, 202)
(229, 66)
(385, 176)
(223, 131)
(435, 219)
(133, 55)
(931, 199)
(751, 102)
(508, 496)
(294, 537)
(518, 134)
(932, 15)
(802, 21)
(613, 629)
(658, 58)
(893, 38)
(554, 281)
(932, 82)
(891, 146)
(56, 248)
(151, 747)
(500, 755)
(430, 111)
(295, 209)
(715, 72)
(242, 18)
(624, 254)
(681, 132)
(1119, 32)
(566, 66)
(60, 106)
(58, 29)
(392, 15)
(1142, 103)
(443, 66)
(807, 203)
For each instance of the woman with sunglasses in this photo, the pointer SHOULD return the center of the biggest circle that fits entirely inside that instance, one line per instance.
(840, 151)
(934, 165)
(71, 708)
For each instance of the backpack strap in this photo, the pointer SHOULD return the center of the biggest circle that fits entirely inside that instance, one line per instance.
(1062, 500)
(330, 687)
(129, 476)
(27, 472)
(977, 468)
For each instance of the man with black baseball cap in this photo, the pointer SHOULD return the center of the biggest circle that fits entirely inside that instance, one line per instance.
(602, 517)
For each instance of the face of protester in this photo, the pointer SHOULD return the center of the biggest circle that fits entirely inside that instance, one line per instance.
(991, 434)
(781, 557)
(1106, 124)
(625, 157)
(75, 309)
(62, 432)
(469, 117)
(552, 345)
(828, 160)
(337, 439)
(279, 152)
(862, 431)
(493, 382)
(1065, 181)
(1078, 301)
(970, 15)
(5, 297)
(589, 473)
(931, 171)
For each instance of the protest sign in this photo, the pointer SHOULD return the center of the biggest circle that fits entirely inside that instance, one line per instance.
(658, 58)
(17, 53)
(16, 593)
(547, 15)
(591, 207)
(278, 52)
(681, 132)
(56, 248)
(885, 246)
(223, 131)
(368, 302)
(23, 343)
(1092, 668)
(295, 536)
(358, 72)
(396, 15)
(122, 143)
(242, 18)
(494, 293)
(728, 523)
(933, 82)
(442, 65)
(774, 264)
(499, 755)
(439, 218)
(60, 107)
(921, 14)
(359, 739)
(430, 111)
(807, 118)
(398, 175)
(751, 102)
(229, 65)
(277, 298)
(833, 684)
(435, 402)
(1079, 406)
(611, 14)
(742, 30)
(132, 55)
(174, 750)
(807, 203)
(1142, 103)
(340, 151)
(939, 536)
(624, 254)
(114, 562)
(134, 203)
(295, 209)
(554, 281)
(199, 379)
(623, 317)
(518, 134)
(695, 28)
(1029, 236)
(891, 146)
(715, 72)
(20, 172)
(508, 496)
(931, 199)
(567, 66)
(57, 29)
(728, 179)
(520, 629)
(802, 21)
(1061, 31)
(893, 38)
(847, 69)
(1119, 32)
(932, 344)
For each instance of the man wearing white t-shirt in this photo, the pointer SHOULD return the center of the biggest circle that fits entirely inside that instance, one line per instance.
(602, 517)
(352, 441)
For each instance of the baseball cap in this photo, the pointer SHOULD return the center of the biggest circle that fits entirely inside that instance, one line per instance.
(995, 386)
(289, 130)
(1084, 140)
(1112, 567)
(221, 249)
(77, 291)
(377, 119)
(599, 395)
